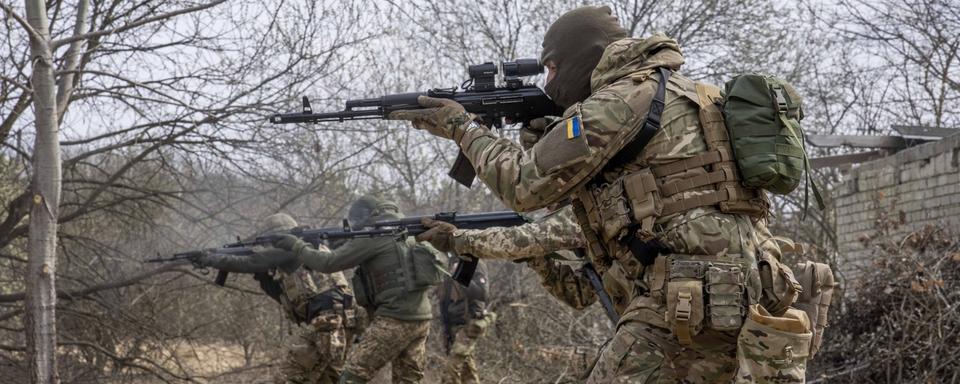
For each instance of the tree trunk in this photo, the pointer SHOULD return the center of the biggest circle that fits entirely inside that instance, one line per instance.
(41, 296)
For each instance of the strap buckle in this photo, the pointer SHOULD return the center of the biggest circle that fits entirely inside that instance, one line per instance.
(683, 306)
(781, 97)
(682, 317)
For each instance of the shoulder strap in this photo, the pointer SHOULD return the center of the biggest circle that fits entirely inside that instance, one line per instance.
(630, 152)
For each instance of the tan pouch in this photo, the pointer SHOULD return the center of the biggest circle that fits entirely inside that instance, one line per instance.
(643, 195)
(773, 348)
(685, 308)
(780, 288)
(613, 209)
(818, 286)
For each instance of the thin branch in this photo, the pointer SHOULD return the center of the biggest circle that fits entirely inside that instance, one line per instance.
(23, 22)
(60, 42)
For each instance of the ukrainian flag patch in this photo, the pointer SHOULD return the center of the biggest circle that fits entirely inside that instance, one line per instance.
(574, 127)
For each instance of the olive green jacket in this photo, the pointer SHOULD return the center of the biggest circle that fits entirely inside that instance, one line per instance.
(379, 260)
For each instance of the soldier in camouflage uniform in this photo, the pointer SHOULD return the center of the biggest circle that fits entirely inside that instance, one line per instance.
(463, 311)
(399, 317)
(643, 157)
(544, 245)
(321, 304)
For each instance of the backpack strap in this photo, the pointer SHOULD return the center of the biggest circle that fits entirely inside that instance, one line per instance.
(631, 151)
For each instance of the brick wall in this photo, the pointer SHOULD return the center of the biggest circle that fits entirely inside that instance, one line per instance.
(919, 185)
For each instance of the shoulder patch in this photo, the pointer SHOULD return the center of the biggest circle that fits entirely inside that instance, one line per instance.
(574, 126)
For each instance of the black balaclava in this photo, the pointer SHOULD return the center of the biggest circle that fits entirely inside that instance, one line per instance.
(575, 43)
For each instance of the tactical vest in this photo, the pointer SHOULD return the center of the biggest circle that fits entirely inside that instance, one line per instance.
(617, 215)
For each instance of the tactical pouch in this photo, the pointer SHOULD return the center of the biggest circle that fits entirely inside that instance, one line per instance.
(361, 290)
(632, 200)
(427, 266)
(421, 266)
(703, 294)
(773, 348)
(685, 308)
(725, 286)
(779, 288)
(818, 285)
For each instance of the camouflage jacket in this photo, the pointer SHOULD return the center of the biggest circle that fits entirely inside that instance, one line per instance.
(562, 163)
(557, 231)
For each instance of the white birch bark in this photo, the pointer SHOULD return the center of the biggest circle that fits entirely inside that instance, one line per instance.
(41, 299)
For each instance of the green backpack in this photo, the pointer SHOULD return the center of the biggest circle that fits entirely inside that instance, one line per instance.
(762, 114)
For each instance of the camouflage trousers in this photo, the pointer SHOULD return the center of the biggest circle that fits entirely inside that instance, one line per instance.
(641, 352)
(387, 340)
(317, 353)
(462, 364)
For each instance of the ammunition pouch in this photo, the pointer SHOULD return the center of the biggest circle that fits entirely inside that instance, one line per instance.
(818, 286)
(700, 293)
(362, 288)
(779, 288)
(773, 346)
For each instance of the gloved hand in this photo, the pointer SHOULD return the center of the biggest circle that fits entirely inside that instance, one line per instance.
(533, 131)
(440, 234)
(442, 117)
(200, 261)
(289, 243)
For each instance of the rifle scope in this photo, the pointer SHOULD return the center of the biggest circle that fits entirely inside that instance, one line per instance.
(521, 67)
(484, 75)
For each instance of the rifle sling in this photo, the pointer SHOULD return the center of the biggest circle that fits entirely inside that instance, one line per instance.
(651, 125)
(644, 251)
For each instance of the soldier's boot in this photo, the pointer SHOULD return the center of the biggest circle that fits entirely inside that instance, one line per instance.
(351, 378)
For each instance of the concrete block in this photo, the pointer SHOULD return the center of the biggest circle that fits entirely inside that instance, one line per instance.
(926, 169)
(888, 176)
(866, 184)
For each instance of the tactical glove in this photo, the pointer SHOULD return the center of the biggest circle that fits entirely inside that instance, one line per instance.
(440, 234)
(441, 117)
(531, 133)
(290, 243)
(202, 259)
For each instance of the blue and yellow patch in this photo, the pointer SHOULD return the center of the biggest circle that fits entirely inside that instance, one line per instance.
(574, 127)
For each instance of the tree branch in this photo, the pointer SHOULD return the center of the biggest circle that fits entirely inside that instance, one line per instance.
(80, 293)
(60, 42)
(23, 22)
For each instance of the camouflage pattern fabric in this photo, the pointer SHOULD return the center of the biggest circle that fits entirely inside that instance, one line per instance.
(533, 241)
(563, 281)
(301, 285)
(563, 162)
(388, 340)
(462, 364)
(773, 350)
(554, 232)
(641, 353)
(317, 353)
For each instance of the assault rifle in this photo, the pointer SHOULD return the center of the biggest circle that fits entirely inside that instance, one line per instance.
(407, 226)
(193, 256)
(481, 95)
